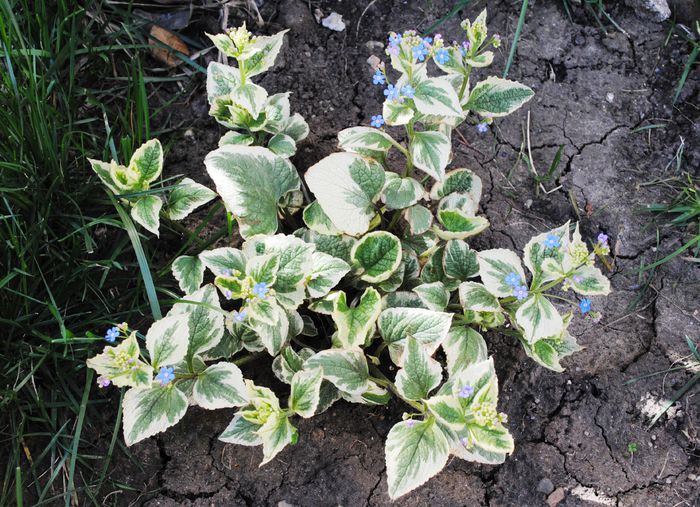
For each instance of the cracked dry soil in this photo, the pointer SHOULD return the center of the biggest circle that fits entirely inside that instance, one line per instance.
(593, 89)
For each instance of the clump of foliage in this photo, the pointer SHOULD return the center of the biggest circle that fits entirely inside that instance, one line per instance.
(382, 261)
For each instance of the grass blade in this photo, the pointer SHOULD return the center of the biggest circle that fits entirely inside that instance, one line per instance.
(140, 257)
(516, 37)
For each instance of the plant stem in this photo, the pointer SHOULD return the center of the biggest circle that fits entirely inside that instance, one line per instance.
(381, 380)
(409, 163)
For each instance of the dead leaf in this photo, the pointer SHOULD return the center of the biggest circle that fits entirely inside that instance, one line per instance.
(589, 210)
(171, 40)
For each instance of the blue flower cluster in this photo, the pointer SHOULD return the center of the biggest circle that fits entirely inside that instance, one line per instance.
(514, 280)
(260, 289)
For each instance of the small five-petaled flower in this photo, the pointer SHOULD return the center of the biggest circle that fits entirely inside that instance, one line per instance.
(513, 279)
(377, 121)
(466, 392)
(520, 292)
(165, 375)
(585, 306)
(442, 56)
(112, 334)
(551, 241)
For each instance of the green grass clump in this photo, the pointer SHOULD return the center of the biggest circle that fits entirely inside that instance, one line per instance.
(71, 84)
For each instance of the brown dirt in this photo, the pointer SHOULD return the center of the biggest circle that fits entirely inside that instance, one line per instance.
(592, 90)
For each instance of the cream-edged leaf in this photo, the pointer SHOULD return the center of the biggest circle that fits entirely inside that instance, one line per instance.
(167, 340)
(538, 318)
(420, 373)
(186, 197)
(430, 152)
(150, 410)
(376, 256)
(221, 385)
(496, 97)
(346, 186)
(251, 180)
(346, 368)
(415, 451)
(189, 273)
(306, 392)
(497, 264)
(146, 212)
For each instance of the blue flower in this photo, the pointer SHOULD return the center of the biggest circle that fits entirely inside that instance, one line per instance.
(520, 293)
(442, 56)
(391, 92)
(226, 272)
(482, 127)
(408, 91)
(466, 392)
(165, 375)
(585, 306)
(427, 40)
(419, 52)
(603, 239)
(378, 77)
(228, 293)
(513, 279)
(395, 39)
(410, 423)
(112, 334)
(103, 381)
(377, 121)
(238, 316)
(260, 289)
(551, 241)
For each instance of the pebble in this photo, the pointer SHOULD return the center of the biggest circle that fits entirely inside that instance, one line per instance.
(658, 9)
(334, 21)
(610, 97)
(545, 486)
(556, 497)
(374, 46)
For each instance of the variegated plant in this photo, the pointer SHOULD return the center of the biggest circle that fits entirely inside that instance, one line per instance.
(132, 184)
(380, 277)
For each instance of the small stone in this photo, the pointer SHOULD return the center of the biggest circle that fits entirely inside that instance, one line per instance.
(659, 9)
(692, 477)
(610, 97)
(374, 62)
(374, 46)
(556, 497)
(189, 133)
(545, 486)
(285, 503)
(334, 21)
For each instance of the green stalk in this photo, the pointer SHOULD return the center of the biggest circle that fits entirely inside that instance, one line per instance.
(388, 384)
(141, 258)
(516, 37)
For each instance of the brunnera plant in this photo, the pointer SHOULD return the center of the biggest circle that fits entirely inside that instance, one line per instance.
(380, 275)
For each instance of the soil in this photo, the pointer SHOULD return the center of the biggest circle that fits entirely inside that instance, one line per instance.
(594, 90)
